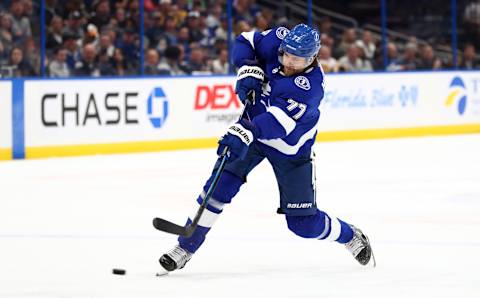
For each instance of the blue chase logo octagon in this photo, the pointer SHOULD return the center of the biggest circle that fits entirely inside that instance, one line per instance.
(157, 107)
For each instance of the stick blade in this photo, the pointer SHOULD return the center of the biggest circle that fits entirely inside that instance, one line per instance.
(169, 227)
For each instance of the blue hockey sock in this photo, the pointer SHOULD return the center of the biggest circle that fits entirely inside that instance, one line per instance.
(320, 226)
(209, 216)
(227, 188)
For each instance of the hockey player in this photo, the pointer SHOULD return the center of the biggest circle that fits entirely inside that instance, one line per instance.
(279, 67)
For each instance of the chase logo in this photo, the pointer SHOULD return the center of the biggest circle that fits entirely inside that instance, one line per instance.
(157, 107)
(457, 95)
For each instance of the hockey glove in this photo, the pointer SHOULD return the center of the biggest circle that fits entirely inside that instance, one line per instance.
(238, 137)
(249, 78)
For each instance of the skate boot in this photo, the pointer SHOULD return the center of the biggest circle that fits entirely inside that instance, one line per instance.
(360, 247)
(175, 258)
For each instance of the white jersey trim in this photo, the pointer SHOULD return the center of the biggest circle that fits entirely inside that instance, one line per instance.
(287, 122)
(287, 149)
(249, 36)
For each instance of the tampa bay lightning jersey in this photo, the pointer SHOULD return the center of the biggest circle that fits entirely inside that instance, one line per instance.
(288, 112)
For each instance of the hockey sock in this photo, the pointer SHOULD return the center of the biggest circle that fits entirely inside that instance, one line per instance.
(228, 186)
(208, 218)
(320, 226)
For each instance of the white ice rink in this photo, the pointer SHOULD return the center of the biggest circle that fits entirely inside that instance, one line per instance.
(65, 223)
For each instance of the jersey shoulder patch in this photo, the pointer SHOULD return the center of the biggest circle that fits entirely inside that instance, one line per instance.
(302, 83)
(282, 32)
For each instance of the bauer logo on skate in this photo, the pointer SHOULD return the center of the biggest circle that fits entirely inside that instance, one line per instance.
(157, 107)
(457, 95)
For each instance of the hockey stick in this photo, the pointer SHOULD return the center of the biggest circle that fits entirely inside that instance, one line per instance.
(187, 231)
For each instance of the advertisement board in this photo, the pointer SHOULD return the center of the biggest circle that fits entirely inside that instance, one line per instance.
(5, 120)
(85, 116)
(124, 111)
(400, 100)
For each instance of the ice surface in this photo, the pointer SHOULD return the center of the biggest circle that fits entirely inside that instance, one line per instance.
(65, 223)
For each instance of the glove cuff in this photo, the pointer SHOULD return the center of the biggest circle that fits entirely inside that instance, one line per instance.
(250, 71)
(241, 132)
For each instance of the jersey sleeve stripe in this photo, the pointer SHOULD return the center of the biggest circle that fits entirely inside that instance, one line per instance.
(287, 149)
(250, 37)
(287, 122)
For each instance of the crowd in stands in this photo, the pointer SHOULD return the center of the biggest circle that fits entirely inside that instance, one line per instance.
(181, 37)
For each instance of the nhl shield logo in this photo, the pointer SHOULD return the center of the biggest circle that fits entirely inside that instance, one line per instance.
(302, 82)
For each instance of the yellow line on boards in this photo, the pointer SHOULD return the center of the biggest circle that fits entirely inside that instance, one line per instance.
(114, 148)
(153, 146)
(365, 134)
(5, 154)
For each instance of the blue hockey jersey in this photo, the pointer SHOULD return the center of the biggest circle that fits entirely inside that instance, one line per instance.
(288, 112)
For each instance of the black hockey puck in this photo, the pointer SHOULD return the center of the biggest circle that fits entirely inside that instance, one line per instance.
(119, 271)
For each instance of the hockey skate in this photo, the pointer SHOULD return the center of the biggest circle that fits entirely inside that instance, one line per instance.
(175, 258)
(360, 247)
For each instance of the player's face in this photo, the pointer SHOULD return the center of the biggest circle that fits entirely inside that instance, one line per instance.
(294, 63)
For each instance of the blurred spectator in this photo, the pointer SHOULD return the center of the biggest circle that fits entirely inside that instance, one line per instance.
(326, 40)
(120, 17)
(392, 55)
(58, 67)
(348, 38)
(428, 60)
(471, 17)
(325, 26)
(152, 60)
(214, 18)
(197, 61)
(106, 45)
(469, 59)
(6, 36)
(101, 17)
(3, 54)
(352, 61)
(130, 49)
(54, 35)
(184, 39)
(242, 26)
(105, 64)
(366, 44)
(244, 10)
(20, 24)
(196, 34)
(409, 59)
(222, 31)
(31, 54)
(328, 63)
(87, 66)
(73, 49)
(171, 64)
(75, 23)
(220, 65)
(30, 11)
(20, 67)
(261, 23)
(119, 63)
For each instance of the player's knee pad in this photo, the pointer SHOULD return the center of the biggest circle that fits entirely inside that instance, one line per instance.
(227, 187)
(310, 226)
